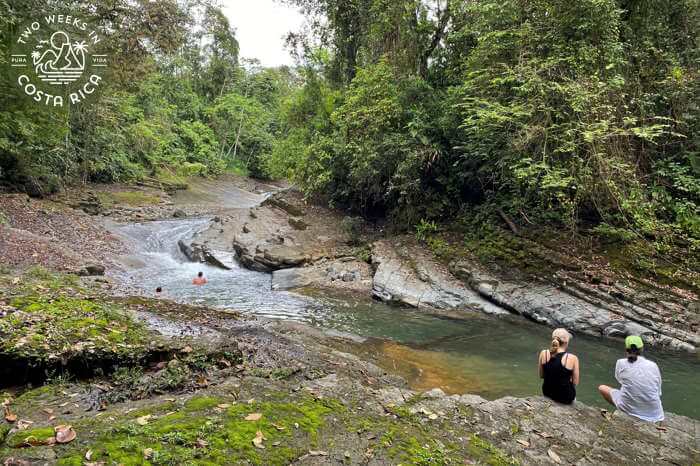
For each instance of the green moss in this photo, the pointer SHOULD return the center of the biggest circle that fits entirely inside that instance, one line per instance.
(489, 453)
(205, 433)
(432, 452)
(22, 437)
(4, 429)
(201, 403)
(58, 319)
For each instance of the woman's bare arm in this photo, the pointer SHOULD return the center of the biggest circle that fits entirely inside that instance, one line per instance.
(575, 377)
(540, 363)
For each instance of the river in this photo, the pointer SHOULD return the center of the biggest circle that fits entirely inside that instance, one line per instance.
(491, 357)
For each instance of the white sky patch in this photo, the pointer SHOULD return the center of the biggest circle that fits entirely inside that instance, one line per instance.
(260, 29)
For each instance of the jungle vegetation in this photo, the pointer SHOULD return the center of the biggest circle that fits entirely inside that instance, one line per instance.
(580, 115)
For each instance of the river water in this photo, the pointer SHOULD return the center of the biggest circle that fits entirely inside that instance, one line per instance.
(488, 356)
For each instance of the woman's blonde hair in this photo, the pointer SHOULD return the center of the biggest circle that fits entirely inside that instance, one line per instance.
(559, 337)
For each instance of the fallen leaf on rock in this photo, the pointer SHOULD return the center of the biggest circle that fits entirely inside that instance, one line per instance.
(318, 453)
(64, 434)
(433, 416)
(9, 415)
(524, 443)
(32, 441)
(143, 420)
(224, 363)
(253, 417)
(554, 456)
(23, 424)
(258, 440)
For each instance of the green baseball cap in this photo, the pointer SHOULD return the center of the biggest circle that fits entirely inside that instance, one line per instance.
(633, 340)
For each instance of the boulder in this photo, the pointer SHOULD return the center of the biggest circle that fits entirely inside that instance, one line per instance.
(297, 223)
(197, 252)
(92, 270)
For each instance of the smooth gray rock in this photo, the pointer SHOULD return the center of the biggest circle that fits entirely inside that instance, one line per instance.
(200, 253)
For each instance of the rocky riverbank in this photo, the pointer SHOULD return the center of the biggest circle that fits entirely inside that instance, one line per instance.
(306, 245)
(147, 381)
(275, 393)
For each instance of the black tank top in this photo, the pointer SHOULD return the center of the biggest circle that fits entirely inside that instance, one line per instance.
(557, 380)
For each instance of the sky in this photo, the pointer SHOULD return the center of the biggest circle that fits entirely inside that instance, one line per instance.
(260, 29)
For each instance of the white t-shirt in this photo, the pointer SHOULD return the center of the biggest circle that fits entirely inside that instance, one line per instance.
(640, 391)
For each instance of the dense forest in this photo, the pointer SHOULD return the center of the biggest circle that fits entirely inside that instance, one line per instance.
(578, 115)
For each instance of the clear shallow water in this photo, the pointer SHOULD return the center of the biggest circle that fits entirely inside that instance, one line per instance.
(480, 354)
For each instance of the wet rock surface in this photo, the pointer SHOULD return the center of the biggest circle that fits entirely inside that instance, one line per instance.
(200, 253)
(406, 273)
(301, 245)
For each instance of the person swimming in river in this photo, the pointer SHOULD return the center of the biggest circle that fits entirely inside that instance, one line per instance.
(199, 279)
(639, 394)
(559, 369)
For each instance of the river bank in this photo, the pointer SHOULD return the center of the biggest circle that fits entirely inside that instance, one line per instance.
(277, 393)
(307, 245)
(171, 393)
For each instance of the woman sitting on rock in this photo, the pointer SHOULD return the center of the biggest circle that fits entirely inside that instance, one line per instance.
(559, 369)
(640, 380)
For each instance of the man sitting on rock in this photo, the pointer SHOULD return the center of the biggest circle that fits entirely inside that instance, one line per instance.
(199, 279)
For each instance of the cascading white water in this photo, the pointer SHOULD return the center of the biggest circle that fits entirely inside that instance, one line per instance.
(156, 261)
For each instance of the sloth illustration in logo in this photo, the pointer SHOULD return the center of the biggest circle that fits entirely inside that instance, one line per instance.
(63, 58)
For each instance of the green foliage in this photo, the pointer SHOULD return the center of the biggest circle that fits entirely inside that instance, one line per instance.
(424, 229)
(577, 113)
(172, 108)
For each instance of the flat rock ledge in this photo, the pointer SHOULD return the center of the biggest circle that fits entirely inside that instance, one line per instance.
(535, 430)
